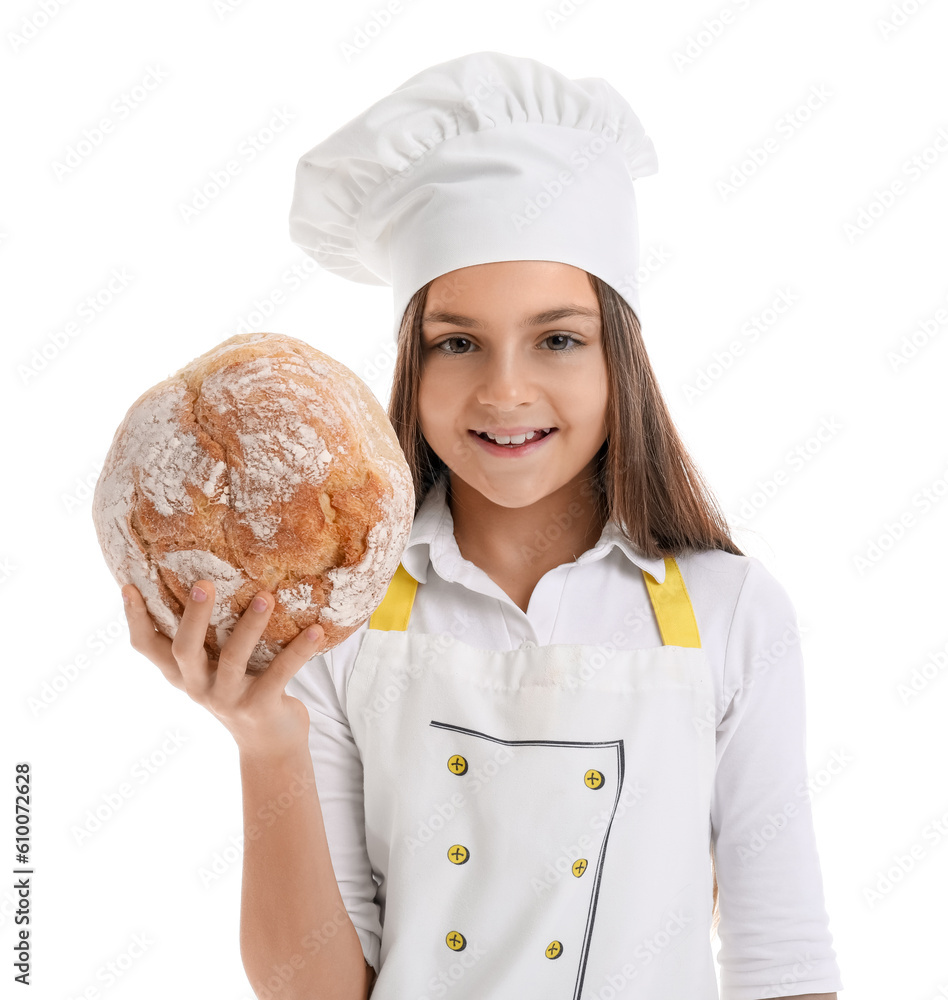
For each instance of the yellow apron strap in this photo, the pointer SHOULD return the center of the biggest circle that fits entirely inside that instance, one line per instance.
(676, 619)
(393, 613)
(673, 611)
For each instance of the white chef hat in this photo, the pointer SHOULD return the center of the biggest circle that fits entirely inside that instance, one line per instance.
(487, 157)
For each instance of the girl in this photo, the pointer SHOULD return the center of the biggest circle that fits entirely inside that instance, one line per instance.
(578, 712)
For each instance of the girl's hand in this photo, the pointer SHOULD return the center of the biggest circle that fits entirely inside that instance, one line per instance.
(258, 714)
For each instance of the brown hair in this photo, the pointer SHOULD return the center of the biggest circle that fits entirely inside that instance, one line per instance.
(645, 480)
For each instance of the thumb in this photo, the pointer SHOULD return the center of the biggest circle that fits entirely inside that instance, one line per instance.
(291, 659)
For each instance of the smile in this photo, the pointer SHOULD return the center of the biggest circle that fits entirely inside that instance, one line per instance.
(518, 445)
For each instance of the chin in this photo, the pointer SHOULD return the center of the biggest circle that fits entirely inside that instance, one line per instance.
(513, 495)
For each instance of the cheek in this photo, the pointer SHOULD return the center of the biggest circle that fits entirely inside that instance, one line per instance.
(433, 407)
(589, 397)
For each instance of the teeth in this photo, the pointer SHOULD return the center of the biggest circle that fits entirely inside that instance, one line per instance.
(516, 438)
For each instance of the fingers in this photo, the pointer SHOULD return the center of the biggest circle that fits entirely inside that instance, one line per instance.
(242, 640)
(146, 639)
(184, 661)
(188, 643)
(291, 658)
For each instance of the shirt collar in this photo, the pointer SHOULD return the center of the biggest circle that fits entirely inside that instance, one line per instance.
(432, 542)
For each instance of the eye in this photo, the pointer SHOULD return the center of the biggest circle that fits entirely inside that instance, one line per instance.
(440, 346)
(560, 337)
(566, 336)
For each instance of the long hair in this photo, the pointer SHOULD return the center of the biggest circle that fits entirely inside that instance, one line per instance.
(645, 480)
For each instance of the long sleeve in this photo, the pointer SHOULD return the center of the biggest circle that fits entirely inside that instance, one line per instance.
(774, 929)
(337, 768)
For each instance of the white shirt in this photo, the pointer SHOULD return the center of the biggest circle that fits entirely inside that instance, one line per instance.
(774, 927)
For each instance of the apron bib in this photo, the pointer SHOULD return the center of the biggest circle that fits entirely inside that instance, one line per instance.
(538, 819)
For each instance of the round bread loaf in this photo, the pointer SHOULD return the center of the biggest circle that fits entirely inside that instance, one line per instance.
(264, 464)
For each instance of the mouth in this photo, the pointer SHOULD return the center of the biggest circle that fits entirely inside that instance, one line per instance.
(519, 443)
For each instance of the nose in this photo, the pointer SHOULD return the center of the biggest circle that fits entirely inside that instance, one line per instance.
(506, 381)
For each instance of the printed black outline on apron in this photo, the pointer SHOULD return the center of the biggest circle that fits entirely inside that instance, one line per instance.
(620, 753)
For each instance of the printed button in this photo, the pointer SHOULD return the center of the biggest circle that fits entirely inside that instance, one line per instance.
(554, 949)
(458, 854)
(456, 941)
(595, 779)
(457, 764)
(579, 867)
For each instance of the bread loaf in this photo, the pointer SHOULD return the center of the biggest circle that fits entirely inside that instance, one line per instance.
(263, 464)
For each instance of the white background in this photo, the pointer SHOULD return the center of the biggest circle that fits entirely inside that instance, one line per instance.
(163, 861)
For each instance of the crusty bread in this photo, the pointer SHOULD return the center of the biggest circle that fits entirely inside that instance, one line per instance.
(263, 464)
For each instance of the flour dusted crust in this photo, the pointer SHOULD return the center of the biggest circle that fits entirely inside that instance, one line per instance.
(263, 464)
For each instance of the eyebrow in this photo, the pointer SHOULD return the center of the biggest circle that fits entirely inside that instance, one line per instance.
(549, 316)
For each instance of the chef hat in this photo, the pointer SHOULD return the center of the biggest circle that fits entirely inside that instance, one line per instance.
(487, 157)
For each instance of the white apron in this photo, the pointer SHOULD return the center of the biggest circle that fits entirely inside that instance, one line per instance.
(539, 819)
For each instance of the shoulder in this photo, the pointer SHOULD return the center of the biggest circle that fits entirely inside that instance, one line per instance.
(748, 618)
(738, 589)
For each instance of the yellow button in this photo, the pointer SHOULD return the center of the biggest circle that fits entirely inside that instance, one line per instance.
(458, 854)
(595, 779)
(457, 764)
(456, 941)
(580, 866)
(554, 949)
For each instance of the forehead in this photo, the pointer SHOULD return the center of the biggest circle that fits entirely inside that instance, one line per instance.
(529, 291)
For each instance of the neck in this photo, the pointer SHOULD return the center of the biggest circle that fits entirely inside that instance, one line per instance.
(525, 542)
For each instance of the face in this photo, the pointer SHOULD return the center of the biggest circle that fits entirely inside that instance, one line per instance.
(512, 348)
